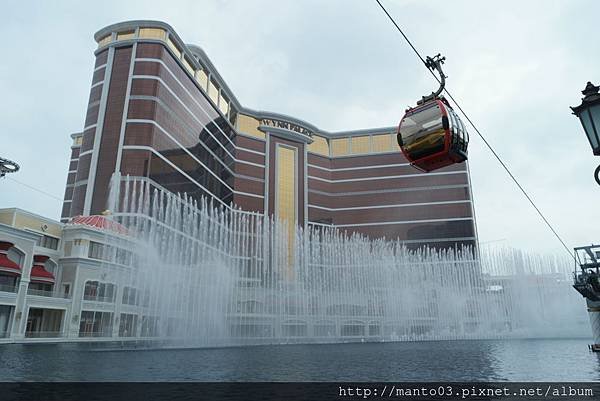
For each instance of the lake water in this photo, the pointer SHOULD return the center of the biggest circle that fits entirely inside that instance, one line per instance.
(469, 360)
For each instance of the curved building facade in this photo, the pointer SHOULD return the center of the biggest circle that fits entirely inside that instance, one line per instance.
(158, 109)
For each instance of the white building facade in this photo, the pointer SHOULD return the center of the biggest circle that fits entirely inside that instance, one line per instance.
(53, 281)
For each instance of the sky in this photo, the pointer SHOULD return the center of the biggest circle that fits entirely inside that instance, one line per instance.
(514, 66)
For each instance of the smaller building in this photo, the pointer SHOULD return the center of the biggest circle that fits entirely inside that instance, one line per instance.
(55, 280)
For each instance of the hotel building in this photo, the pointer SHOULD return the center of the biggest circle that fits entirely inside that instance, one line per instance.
(159, 110)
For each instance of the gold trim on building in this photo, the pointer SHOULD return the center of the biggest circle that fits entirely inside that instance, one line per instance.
(339, 147)
(319, 146)
(286, 194)
(249, 126)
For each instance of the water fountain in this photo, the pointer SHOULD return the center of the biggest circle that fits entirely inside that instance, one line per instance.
(203, 275)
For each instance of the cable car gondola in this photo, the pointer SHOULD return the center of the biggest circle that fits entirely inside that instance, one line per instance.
(431, 135)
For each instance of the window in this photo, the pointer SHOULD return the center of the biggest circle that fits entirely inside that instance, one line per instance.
(125, 35)
(130, 295)
(213, 92)
(8, 282)
(105, 40)
(223, 105)
(48, 242)
(152, 33)
(97, 291)
(319, 146)
(90, 291)
(202, 79)
(43, 287)
(339, 147)
(423, 131)
(95, 324)
(188, 65)
(127, 325)
(123, 257)
(97, 251)
(384, 143)
(110, 254)
(174, 48)
(361, 144)
(106, 292)
(233, 116)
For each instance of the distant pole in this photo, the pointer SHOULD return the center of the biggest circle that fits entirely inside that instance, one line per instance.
(7, 166)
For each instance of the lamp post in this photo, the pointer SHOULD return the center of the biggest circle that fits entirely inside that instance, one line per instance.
(587, 282)
(588, 113)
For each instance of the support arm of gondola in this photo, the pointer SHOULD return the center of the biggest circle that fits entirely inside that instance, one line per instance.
(435, 64)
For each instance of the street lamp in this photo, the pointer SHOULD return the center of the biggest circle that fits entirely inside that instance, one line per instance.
(589, 115)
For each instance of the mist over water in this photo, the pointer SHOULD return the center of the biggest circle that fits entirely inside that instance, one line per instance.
(208, 276)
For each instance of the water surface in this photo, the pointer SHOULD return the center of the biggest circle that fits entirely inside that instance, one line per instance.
(468, 360)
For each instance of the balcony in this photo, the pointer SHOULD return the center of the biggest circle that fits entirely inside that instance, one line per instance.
(94, 334)
(95, 298)
(43, 293)
(44, 334)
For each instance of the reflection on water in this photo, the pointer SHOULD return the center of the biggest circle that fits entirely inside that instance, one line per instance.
(493, 360)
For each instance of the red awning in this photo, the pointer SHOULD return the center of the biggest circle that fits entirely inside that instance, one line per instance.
(7, 265)
(39, 274)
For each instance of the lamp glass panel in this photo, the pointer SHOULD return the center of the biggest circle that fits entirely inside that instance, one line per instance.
(586, 121)
(594, 133)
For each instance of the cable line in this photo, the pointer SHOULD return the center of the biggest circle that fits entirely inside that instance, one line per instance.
(36, 189)
(539, 212)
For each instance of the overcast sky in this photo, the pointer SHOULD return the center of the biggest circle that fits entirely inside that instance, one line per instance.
(515, 66)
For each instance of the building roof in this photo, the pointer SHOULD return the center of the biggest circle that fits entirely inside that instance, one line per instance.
(99, 222)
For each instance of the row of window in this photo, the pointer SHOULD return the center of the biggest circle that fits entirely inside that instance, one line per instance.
(98, 291)
(110, 253)
(376, 143)
(106, 292)
(100, 324)
(201, 75)
(356, 145)
(291, 309)
(48, 242)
